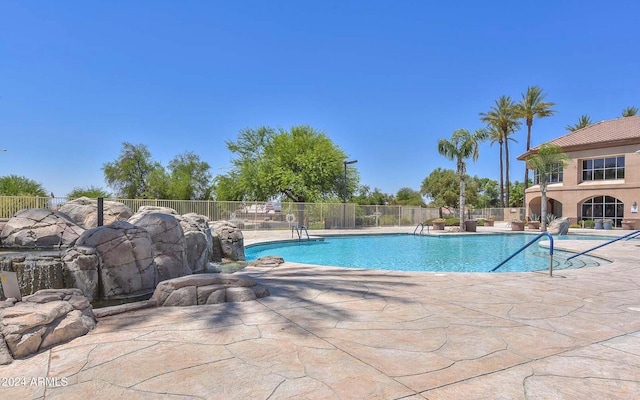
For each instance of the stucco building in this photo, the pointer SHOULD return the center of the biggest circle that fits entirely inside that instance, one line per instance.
(602, 178)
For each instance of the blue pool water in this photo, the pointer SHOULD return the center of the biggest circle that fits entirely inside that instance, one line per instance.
(447, 253)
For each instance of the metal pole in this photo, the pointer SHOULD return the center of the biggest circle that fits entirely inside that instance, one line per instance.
(100, 211)
(344, 198)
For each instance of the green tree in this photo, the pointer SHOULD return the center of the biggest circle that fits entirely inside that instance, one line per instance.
(533, 106)
(225, 188)
(442, 186)
(158, 183)
(14, 185)
(630, 111)
(189, 178)
(462, 145)
(409, 197)
(517, 194)
(583, 122)
(302, 164)
(545, 161)
(245, 175)
(128, 174)
(482, 192)
(504, 117)
(92, 192)
(376, 197)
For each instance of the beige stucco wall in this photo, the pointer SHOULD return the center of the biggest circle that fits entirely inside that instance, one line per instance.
(572, 192)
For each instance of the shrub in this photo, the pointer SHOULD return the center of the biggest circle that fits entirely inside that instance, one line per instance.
(366, 220)
(589, 223)
(388, 220)
(452, 221)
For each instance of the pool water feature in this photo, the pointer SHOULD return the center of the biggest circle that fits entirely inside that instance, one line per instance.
(446, 253)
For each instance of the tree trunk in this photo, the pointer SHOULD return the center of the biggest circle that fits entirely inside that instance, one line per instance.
(462, 201)
(501, 178)
(543, 206)
(506, 172)
(526, 170)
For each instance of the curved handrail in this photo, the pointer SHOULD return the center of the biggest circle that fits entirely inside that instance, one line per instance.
(299, 231)
(529, 244)
(417, 226)
(627, 237)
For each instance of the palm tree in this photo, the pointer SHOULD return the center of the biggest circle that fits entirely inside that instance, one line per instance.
(504, 117)
(495, 136)
(545, 161)
(531, 106)
(583, 122)
(630, 111)
(462, 145)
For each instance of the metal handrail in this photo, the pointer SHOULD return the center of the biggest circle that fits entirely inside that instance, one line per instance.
(627, 237)
(417, 226)
(299, 231)
(529, 244)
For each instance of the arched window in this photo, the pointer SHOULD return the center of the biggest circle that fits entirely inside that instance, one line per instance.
(606, 207)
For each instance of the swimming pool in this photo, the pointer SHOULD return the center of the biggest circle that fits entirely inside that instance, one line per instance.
(447, 253)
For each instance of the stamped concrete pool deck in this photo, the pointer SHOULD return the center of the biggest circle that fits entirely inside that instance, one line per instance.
(335, 333)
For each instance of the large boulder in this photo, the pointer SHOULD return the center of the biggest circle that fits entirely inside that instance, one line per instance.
(82, 269)
(228, 242)
(169, 245)
(39, 228)
(84, 211)
(207, 289)
(197, 233)
(42, 320)
(559, 226)
(199, 240)
(144, 210)
(127, 262)
(267, 262)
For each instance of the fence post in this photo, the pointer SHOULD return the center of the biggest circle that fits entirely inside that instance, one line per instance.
(100, 211)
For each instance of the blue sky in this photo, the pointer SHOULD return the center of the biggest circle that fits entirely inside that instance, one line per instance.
(385, 80)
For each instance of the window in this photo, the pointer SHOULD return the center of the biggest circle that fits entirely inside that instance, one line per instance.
(555, 175)
(603, 207)
(599, 169)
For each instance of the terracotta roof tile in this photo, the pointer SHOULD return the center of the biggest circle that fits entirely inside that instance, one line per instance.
(598, 135)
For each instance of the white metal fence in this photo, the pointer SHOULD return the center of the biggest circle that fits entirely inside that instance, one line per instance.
(261, 215)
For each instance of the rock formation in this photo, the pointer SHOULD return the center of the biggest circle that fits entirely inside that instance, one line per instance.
(228, 242)
(559, 226)
(127, 262)
(84, 211)
(266, 262)
(207, 289)
(199, 240)
(35, 270)
(144, 210)
(82, 267)
(39, 228)
(42, 320)
(169, 245)
(121, 259)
